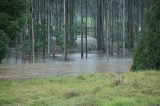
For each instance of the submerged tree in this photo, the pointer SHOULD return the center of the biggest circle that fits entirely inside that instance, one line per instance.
(147, 55)
(116, 24)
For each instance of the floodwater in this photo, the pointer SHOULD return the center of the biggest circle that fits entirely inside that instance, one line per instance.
(48, 67)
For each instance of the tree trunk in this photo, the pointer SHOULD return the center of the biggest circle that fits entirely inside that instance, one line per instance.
(49, 25)
(86, 29)
(124, 18)
(82, 16)
(32, 32)
(65, 29)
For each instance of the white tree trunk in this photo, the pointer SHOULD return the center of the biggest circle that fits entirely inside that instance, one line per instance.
(49, 36)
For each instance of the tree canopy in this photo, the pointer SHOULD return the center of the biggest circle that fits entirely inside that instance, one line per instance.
(12, 20)
(148, 50)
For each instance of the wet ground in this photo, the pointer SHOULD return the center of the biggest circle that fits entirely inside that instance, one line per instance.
(48, 67)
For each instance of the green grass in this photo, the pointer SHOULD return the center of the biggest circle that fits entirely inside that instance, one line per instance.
(100, 89)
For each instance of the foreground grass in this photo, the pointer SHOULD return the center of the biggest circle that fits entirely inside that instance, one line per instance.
(109, 89)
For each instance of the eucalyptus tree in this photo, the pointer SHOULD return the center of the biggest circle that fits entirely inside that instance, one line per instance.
(49, 28)
(65, 28)
(32, 31)
(124, 21)
(117, 23)
(82, 27)
(99, 25)
(86, 28)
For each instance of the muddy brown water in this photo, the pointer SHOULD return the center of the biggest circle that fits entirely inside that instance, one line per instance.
(47, 67)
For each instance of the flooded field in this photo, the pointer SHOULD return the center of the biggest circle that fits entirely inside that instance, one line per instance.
(47, 67)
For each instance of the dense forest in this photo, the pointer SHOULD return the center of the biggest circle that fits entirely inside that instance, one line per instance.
(31, 27)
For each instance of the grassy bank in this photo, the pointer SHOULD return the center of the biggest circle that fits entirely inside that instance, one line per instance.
(128, 89)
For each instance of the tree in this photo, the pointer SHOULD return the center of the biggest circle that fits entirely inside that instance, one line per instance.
(130, 24)
(99, 25)
(86, 31)
(49, 27)
(147, 55)
(65, 29)
(32, 31)
(12, 19)
(82, 16)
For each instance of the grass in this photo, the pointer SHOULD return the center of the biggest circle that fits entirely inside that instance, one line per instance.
(100, 89)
